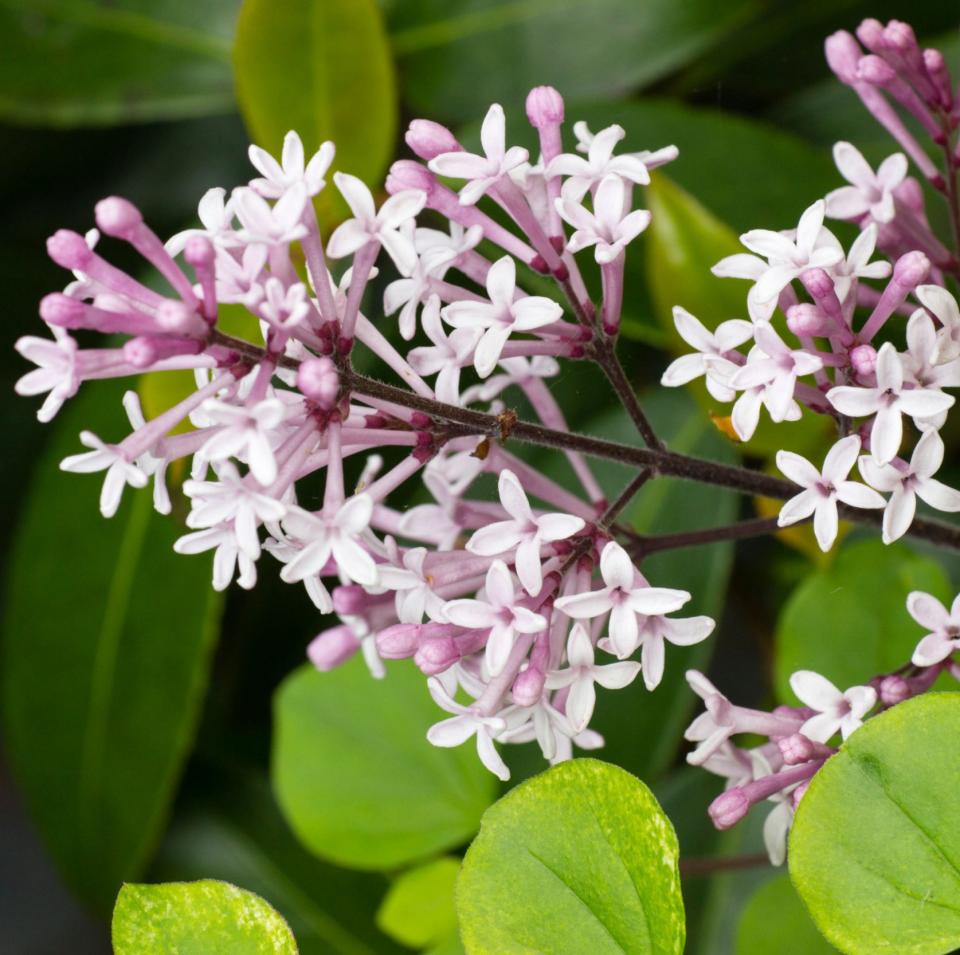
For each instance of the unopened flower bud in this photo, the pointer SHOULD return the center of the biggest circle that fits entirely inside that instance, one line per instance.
(175, 317)
(199, 251)
(436, 655)
(729, 808)
(399, 641)
(806, 320)
(407, 174)
(319, 380)
(872, 69)
(910, 194)
(843, 52)
(911, 269)
(863, 359)
(528, 686)
(893, 689)
(141, 352)
(428, 139)
(68, 249)
(796, 749)
(332, 647)
(59, 309)
(870, 34)
(544, 107)
(899, 36)
(350, 599)
(117, 217)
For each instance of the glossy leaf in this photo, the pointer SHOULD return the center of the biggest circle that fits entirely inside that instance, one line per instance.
(355, 776)
(75, 62)
(324, 70)
(850, 622)
(774, 920)
(458, 56)
(106, 639)
(236, 833)
(875, 845)
(580, 859)
(193, 918)
(418, 910)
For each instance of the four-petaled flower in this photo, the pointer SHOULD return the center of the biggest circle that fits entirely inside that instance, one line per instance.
(55, 374)
(582, 174)
(278, 177)
(109, 458)
(869, 193)
(822, 489)
(525, 531)
(244, 431)
(836, 711)
(446, 356)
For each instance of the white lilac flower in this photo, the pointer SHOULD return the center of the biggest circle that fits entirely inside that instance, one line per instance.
(502, 315)
(869, 193)
(836, 711)
(109, 458)
(944, 307)
(549, 727)
(244, 431)
(464, 724)
(292, 170)
(625, 597)
(786, 260)
(150, 462)
(483, 172)
(370, 225)
(943, 626)
(609, 227)
(499, 610)
(333, 535)
(906, 482)
(723, 339)
(525, 533)
(274, 225)
(857, 265)
(414, 594)
(584, 173)
(240, 279)
(923, 361)
(216, 214)
(446, 356)
(823, 489)
(775, 366)
(228, 558)
(56, 372)
(284, 307)
(887, 401)
(581, 673)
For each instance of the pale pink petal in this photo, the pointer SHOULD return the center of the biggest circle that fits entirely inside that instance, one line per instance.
(798, 469)
(652, 658)
(615, 676)
(825, 523)
(473, 614)
(840, 458)
(616, 567)
(585, 606)
(933, 648)
(858, 495)
(580, 703)
(814, 690)
(688, 630)
(927, 610)
(899, 514)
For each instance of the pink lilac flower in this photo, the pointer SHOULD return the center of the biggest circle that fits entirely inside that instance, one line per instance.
(585, 173)
(836, 712)
(869, 193)
(278, 177)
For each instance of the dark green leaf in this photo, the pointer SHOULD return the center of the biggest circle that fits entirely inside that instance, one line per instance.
(355, 776)
(458, 57)
(850, 621)
(580, 859)
(775, 920)
(107, 640)
(196, 918)
(78, 62)
(875, 845)
(324, 70)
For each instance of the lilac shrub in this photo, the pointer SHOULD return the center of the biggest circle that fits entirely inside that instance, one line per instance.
(516, 608)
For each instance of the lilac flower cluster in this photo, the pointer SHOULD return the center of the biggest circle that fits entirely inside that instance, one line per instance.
(799, 738)
(494, 600)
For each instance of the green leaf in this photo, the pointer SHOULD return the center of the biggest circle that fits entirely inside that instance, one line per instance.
(79, 62)
(850, 622)
(580, 859)
(107, 638)
(458, 56)
(875, 845)
(195, 918)
(774, 920)
(418, 910)
(355, 776)
(324, 70)
(236, 833)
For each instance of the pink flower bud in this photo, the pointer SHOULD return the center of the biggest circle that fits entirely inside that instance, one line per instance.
(870, 34)
(332, 647)
(893, 689)
(799, 792)
(863, 358)
(872, 69)
(141, 352)
(528, 686)
(68, 249)
(899, 36)
(175, 318)
(910, 193)
(59, 309)
(843, 52)
(806, 320)
(350, 599)
(428, 139)
(117, 217)
(199, 251)
(319, 380)
(399, 641)
(796, 749)
(729, 808)
(437, 654)
(911, 269)
(407, 174)
(544, 107)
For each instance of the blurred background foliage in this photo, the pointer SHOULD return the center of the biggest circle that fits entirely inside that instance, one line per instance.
(142, 722)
